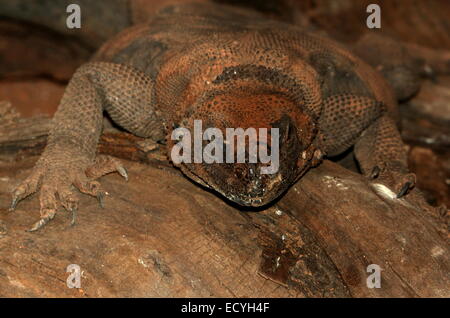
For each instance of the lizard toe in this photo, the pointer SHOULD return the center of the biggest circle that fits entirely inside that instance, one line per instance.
(50, 214)
(26, 188)
(92, 188)
(48, 203)
(69, 201)
(405, 184)
(104, 165)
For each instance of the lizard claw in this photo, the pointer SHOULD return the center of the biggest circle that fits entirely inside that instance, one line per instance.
(404, 189)
(101, 199)
(43, 221)
(14, 202)
(123, 172)
(406, 183)
(74, 216)
(375, 172)
(38, 224)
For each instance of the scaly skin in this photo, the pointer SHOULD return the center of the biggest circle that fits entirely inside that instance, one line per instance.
(229, 68)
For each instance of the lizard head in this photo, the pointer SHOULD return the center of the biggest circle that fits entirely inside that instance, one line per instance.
(278, 157)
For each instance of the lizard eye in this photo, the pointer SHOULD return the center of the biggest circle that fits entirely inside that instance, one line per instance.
(287, 136)
(287, 129)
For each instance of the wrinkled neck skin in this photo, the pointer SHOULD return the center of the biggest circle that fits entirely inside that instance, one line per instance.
(299, 143)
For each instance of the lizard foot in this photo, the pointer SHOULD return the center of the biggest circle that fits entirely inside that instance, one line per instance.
(399, 182)
(392, 184)
(55, 180)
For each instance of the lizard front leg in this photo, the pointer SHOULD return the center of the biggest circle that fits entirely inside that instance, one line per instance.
(348, 120)
(69, 158)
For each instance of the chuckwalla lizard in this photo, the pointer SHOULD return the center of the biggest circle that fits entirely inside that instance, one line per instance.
(229, 68)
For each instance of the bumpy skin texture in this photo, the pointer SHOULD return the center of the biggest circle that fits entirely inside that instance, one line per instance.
(229, 68)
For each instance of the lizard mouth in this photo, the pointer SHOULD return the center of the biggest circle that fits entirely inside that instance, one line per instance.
(251, 202)
(245, 200)
(257, 193)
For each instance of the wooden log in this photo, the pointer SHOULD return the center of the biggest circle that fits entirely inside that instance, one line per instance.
(162, 235)
(22, 137)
